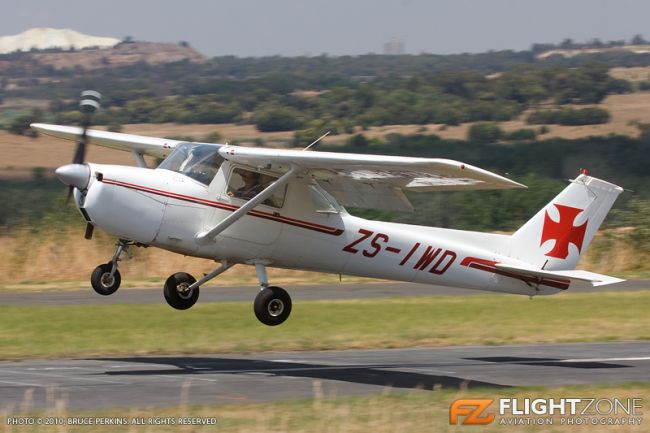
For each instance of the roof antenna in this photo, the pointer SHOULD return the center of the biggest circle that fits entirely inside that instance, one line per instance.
(317, 140)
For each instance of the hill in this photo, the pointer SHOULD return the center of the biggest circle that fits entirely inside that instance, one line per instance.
(44, 38)
(122, 54)
(47, 49)
(573, 52)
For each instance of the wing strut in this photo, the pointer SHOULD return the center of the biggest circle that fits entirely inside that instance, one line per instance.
(206, 236)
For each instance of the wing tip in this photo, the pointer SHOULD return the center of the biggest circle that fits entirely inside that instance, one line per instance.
(503, 182)
(516, 184)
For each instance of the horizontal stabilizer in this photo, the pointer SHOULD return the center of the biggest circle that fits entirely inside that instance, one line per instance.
(569, 276)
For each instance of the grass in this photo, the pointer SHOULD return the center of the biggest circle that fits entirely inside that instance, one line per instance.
(391, 411)
(60, 259)
(91, 330)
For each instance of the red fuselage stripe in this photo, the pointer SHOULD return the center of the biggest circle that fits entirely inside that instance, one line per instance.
(228, 207)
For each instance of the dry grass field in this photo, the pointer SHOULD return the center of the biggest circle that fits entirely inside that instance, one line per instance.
(64, 260)
(634, 74)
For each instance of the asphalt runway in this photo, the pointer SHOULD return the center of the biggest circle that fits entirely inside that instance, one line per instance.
(247, 293)
(161, 381)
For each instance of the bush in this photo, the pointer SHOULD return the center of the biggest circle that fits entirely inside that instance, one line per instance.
(358, 140)
(114, 127)
(570, 116)
(485, 132)
(277, 118)
(213, 137)
(20, 125)
(521, 135)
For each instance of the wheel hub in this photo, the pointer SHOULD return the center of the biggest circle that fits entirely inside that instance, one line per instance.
(107, 279)
(184, 291)
(275, 307)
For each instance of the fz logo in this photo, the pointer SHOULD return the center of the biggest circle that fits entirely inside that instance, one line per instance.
(563, 231)
(471, 410)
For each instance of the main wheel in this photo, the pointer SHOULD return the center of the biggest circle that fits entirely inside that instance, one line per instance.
(103, 282)
(177, 292)
(272, 306)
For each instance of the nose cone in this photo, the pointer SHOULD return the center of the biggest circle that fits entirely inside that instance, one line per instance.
(77, 175)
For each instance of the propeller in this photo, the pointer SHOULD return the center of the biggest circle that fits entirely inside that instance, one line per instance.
(88, 106)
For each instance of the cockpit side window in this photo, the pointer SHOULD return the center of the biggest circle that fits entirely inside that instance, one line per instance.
(197, 161)
(246, 184)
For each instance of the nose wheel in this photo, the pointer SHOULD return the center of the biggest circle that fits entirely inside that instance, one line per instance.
(106, 278)
(272, 306)
(104, 281)
(180, 291)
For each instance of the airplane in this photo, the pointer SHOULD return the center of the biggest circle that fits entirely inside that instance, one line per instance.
(285, 208)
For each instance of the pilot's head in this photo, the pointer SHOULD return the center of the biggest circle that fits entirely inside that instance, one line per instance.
(250, 178)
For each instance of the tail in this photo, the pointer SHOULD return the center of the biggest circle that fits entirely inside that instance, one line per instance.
(556, 238)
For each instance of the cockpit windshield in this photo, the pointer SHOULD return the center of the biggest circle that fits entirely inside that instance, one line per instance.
(198, 161)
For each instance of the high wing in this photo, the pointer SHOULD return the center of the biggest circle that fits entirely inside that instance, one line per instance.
(152, 146)
(372, 181)
(365, 181)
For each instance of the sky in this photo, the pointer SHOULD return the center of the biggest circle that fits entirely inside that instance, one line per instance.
(337, 27)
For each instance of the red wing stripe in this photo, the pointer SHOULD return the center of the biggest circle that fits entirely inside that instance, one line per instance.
(489, 266)
(229, 207)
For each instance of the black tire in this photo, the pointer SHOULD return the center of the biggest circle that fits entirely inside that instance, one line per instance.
(272, 306)
(102, 281)
(175, 291)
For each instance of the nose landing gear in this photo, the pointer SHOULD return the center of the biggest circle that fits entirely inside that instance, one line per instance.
(106, 278)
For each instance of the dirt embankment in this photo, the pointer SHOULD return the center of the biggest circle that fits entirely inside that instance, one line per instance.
(121, 55)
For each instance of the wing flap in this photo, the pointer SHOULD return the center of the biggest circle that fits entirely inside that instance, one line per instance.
(573, 275)
(367, 195)
(153, 146)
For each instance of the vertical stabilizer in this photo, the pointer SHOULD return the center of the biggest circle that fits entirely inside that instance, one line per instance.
(559, 234)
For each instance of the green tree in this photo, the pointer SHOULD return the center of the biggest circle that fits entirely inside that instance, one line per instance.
(271, 118)
(21, 124)
(484, 132)
(357, 140)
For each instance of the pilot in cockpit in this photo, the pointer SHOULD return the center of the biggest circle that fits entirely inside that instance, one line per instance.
(252, 185)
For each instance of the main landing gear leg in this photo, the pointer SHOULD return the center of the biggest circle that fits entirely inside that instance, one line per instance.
(181, 290)
(272, 304)
(106, 278)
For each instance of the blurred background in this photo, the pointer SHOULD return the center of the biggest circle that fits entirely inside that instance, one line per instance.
(537, 103)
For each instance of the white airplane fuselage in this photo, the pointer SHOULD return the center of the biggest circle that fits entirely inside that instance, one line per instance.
(166, 209)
